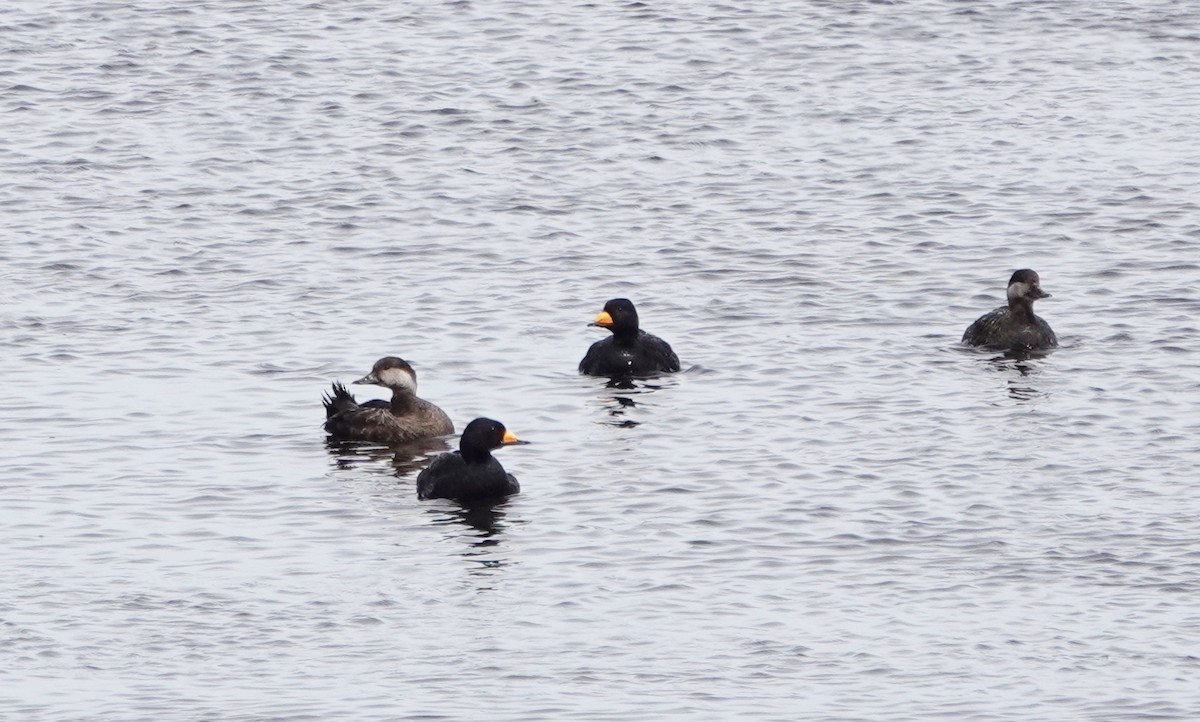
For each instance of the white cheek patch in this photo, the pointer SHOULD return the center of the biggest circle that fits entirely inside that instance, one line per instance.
(398, 378)
(1020, 289)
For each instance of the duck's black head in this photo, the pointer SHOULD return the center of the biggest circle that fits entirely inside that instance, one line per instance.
(618, 316)
(392, 372)
(1025, 287)
(481, 436)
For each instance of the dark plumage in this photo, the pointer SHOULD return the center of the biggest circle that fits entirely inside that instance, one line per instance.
(405, 418)
(471, 473)
(629, 351)
(1015, 326)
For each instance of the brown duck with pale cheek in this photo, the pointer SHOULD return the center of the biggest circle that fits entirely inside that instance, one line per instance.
(405, 418)
(1014, 327)
(630, 351)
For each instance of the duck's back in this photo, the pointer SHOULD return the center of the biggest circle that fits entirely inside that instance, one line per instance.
(646, 355)
(1004, 329)
(378, 424)
(449, 476)
(432, 419)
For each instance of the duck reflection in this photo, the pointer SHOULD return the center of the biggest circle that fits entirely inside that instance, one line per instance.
(484, 525)
(486, 521)
(1020, 389)
(619, 408)
(406, 458)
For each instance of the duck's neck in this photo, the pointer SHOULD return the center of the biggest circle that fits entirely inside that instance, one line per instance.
(474, 456)
(625, 337)
(1022, 308)
(403, 400)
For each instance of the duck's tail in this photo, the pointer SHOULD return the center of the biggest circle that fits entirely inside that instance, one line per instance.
(337, 402)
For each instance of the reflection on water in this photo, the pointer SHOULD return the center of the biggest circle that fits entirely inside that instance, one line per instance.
(1024, 393)
(484, 525)
(619, 409)
(1020, 389)
(407, 458)
(621, 382)
(486, 519)
(204, 240)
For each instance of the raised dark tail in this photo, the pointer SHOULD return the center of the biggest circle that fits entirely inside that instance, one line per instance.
(337, 402)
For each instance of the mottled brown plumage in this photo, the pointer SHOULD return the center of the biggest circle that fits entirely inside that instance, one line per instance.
(405, 418)
(1015, 326)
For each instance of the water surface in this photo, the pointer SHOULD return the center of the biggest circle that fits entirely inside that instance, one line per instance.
(835, 513)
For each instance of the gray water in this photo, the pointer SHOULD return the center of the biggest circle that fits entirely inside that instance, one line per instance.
(213, 210)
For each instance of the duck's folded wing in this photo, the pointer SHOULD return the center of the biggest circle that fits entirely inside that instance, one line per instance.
(362, 423)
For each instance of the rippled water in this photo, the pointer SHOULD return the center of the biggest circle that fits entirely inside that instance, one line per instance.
(212, 211)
